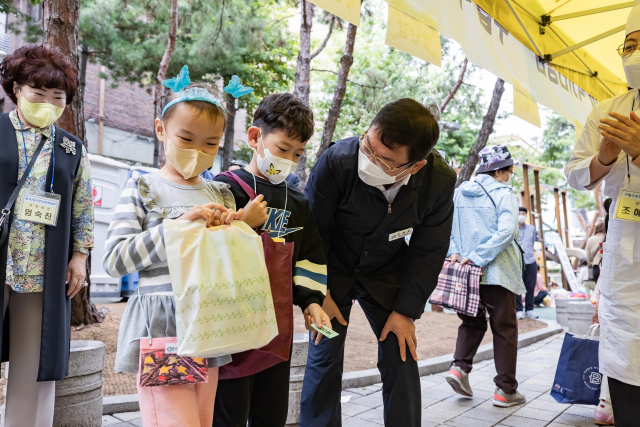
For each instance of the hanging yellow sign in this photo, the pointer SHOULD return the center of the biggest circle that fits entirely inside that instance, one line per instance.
(413, 37)
(349, 10)
(525, 108)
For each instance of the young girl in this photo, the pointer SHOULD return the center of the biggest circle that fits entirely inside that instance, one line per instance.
(190, 128)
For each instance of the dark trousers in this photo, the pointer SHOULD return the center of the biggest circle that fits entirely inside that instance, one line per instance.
(624, 400)
(504, 327)
(320, 401)
(261, 400)
(529, 277)
(596, 273)
(540, 297)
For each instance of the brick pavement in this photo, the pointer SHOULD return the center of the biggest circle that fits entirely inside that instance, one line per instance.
(362, 407)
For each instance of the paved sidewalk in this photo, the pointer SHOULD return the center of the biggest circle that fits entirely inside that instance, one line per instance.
(442, 407)
(362, 407)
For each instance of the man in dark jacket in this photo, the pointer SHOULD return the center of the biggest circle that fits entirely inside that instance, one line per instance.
(367, 193)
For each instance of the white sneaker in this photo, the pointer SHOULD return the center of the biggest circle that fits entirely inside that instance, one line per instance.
(519, 315)
(531, 315)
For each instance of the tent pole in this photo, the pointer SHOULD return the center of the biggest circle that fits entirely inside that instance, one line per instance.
(526, 200)
(553, 19)
(566, 219)
(536, 177)
(556, 195)
(587, 41)
(525, 30)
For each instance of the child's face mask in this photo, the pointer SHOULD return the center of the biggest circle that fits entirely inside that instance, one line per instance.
(275, 168)
(187, 161)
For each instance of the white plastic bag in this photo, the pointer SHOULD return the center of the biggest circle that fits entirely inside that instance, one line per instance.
(221, 287)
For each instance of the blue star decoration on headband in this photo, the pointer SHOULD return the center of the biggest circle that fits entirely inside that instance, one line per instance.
(178, 83)
(236, 89)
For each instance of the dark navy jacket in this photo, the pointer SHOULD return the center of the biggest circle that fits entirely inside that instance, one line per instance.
(355, 222)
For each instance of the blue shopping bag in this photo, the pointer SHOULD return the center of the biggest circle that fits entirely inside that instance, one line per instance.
(578, 378)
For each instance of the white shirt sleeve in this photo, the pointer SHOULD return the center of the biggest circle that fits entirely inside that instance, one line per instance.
(587, 146)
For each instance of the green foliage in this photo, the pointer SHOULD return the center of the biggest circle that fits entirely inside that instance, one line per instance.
(557, 141)
(252, 41)
(244, 152)
(381, 74)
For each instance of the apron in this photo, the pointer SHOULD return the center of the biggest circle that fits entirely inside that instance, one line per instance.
(619, 309)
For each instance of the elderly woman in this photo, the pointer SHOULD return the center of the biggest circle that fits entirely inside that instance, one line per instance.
(46, 229)
(485, 232)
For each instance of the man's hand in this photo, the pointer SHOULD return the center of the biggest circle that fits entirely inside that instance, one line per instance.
(331, 309)
(608, 152)
(315, 314)
(624, 132)
(405, 330)
(595, 319)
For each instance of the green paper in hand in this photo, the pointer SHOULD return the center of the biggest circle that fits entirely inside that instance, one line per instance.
(329, 333)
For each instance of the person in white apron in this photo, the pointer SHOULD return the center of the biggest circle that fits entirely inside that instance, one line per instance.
(609, 149)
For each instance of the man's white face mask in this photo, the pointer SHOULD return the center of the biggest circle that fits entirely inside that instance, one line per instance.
(631, 65)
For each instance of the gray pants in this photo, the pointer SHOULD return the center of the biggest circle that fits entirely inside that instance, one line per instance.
(28, 403)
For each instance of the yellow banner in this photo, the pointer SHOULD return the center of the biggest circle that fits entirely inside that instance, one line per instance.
(349, 10)
(525, 108)
(413, 37)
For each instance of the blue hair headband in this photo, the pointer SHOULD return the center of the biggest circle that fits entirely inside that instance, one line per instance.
(178, 84)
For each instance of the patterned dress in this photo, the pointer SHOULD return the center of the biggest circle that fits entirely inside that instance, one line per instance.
(25, 255)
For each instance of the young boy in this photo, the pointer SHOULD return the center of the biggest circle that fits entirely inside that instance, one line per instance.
(282, 125)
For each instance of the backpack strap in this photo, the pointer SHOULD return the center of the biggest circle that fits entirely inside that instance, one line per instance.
(236, 180)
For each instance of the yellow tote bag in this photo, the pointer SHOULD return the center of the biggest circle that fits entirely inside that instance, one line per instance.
(221, 288)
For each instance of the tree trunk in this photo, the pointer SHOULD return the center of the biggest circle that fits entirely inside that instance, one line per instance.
(338, 95)
(301, 87)
(455, 87)
(486, 130)
(84, 56)
(158, 149)
(229, 133)
(61, 31)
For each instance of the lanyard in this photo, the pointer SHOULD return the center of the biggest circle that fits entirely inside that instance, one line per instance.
(286, 199)
(26, 157)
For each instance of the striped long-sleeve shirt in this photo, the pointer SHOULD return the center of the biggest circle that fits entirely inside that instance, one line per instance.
(135, 238)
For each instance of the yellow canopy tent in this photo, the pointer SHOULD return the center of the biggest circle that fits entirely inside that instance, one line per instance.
(559, 53)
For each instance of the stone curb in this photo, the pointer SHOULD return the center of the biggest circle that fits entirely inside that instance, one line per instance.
(438, 364)
(117, 404)
(434, 365)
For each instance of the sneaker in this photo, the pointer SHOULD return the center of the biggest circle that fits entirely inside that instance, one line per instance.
(519, 315)
(603, 414)
(459, 381)
(531, 315)
(504, 400)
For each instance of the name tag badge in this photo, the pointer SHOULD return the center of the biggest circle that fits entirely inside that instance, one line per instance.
(42, 208)
(628, 206)
(400, 234)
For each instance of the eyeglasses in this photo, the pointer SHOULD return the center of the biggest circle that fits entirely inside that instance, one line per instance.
(378, 161)
(627, 48)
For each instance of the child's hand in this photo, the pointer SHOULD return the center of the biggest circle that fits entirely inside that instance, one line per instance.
(207, 212)
(255, 213)
(315, 314)
(224, 217)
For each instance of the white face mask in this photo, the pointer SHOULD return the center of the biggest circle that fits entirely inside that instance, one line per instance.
(275, 168)
(631, 65)
(372, 175)
(522, 219)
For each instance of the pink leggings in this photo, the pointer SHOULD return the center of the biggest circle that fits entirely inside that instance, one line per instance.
(179, 405)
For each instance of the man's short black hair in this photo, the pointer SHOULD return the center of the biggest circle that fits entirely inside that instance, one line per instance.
(284, 112)
(522, 209)
(408, 123)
